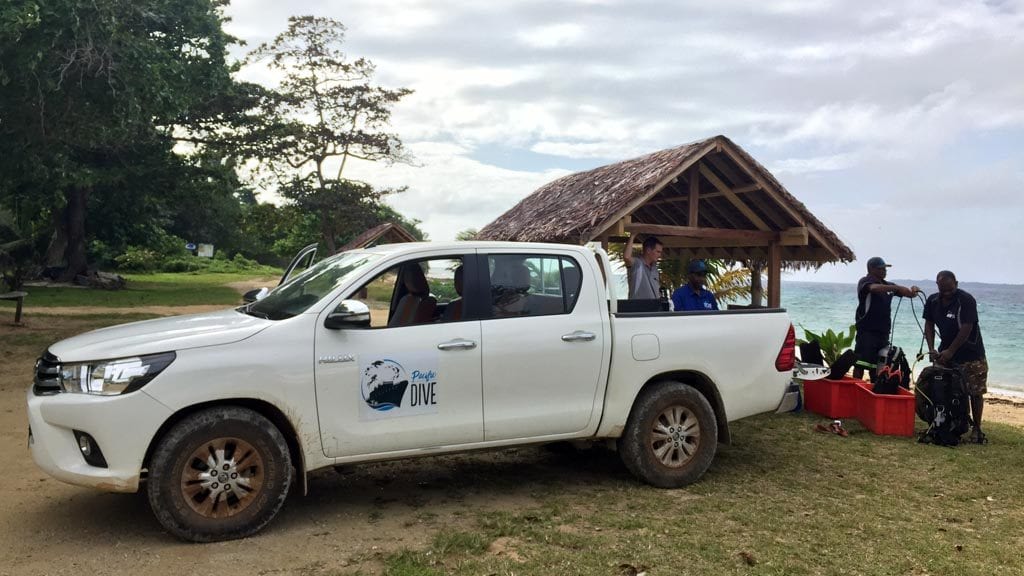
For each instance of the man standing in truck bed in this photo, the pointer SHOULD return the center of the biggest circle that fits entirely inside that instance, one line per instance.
(644, 279)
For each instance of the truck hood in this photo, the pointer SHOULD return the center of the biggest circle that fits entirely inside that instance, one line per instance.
(160, 335)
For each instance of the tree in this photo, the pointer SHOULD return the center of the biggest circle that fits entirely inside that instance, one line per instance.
(467, 234)
(15, 251)
(326, 112)
(90, 87)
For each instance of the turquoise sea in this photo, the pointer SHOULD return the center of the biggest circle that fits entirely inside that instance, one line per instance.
(820, 305)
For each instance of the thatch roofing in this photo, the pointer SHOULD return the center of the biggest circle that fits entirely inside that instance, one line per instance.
(651, 194)
(387, 233)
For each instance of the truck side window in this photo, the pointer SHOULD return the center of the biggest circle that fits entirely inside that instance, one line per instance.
(532, 285)
(414, 292)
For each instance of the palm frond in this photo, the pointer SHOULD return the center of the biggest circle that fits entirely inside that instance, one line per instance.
(730, 285)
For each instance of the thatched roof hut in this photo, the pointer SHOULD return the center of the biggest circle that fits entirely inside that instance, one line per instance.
(706, 199)
(387, 233)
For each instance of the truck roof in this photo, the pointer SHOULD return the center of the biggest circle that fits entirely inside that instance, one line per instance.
(389, 249)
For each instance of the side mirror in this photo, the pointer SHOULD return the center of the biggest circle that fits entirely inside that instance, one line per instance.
(348, 314)
(254, 295)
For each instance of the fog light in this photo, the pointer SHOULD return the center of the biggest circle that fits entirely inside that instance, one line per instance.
(90, 449)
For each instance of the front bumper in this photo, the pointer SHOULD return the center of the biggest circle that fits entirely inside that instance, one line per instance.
(122, 427)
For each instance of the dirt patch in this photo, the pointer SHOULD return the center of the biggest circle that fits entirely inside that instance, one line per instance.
(94, 310)
(506, 547)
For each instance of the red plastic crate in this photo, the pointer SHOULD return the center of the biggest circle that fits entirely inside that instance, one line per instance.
(832, 398)
(889, 414)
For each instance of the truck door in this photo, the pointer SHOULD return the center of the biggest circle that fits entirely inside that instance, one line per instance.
(544, 346)
(410, 379)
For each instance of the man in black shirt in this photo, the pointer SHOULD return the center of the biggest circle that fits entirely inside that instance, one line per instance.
(874, 310)
(955, 312)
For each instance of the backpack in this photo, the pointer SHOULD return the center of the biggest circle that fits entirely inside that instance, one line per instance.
(893, 371)
(941, 400)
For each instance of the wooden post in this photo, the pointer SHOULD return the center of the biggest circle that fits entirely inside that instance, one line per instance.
(694, 174)
(756, 288)
(774, 275)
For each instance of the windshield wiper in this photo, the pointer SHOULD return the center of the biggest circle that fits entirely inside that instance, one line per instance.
(247, 309)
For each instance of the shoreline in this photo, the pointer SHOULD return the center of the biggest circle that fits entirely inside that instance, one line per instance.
(997, 392)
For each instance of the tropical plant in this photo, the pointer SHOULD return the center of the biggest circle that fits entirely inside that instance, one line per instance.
(832, 344)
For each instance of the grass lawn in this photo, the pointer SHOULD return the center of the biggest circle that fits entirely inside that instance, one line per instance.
(179, 289)
(782, 500)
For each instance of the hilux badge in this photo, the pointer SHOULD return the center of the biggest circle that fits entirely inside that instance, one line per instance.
(336, 359)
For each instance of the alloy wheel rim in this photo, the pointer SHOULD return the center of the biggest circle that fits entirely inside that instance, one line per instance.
(222, 477)
(675, 436)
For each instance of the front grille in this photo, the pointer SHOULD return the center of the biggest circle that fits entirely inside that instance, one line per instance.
(46, 380)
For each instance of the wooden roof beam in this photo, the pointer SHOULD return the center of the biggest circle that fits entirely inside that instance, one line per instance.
(763, 237)
(791, 237)
(733, 198)
(705, 195)
(770, 191)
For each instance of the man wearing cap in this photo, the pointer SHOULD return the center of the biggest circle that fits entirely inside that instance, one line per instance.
(874, 311)
(955, 313)
(692, 295)
(644, 279)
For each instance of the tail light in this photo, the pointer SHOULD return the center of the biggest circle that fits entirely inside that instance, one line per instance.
(787, 355)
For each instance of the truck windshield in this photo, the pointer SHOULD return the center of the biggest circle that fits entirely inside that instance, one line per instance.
(306, 289)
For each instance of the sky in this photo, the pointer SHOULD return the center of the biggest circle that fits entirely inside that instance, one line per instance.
(900, 125)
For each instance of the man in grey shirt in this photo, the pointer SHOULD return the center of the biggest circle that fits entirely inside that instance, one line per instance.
(644, 280)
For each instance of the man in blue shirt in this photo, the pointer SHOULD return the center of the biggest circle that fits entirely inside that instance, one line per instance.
(692, 295)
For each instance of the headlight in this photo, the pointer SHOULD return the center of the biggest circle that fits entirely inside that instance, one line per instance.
(111, 377)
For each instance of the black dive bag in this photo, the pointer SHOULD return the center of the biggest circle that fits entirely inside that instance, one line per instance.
(941, 401)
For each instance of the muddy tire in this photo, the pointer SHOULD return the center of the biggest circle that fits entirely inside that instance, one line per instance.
(219, 474)
(670, 437)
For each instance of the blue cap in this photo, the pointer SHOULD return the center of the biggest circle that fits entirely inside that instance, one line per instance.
(697, 266)
(877, 262)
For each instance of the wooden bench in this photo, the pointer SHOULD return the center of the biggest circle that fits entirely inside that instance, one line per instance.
(19, 297)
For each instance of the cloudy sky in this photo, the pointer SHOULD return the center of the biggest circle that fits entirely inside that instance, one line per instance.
(899, 124)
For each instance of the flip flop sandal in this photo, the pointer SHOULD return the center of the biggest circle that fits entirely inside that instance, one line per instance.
(839, 430)
(832, 428)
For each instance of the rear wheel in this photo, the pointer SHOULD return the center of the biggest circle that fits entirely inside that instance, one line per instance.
(219, 474)
(671, 436)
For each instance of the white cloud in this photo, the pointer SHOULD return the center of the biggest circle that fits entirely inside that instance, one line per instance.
(552, 36)
(851, 102)
(451, 192)
(815, 164)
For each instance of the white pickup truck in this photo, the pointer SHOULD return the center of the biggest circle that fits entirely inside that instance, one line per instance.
(397, 351)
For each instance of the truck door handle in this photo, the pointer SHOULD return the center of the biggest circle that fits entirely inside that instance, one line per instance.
(457, 344)
(579, 336)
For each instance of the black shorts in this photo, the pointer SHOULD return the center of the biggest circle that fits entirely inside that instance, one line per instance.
(868, 345)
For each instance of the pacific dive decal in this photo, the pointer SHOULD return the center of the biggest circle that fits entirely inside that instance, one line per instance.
(391, 388)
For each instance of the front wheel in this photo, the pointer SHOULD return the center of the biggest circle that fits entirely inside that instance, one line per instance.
(219, 474)
(670, 437)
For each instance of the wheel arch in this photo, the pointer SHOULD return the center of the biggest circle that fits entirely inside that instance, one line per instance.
(702, 384)
(261, 407)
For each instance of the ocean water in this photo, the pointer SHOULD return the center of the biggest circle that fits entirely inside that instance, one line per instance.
(819, 306)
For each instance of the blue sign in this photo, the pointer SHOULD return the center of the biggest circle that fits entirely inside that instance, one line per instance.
(190, 246)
